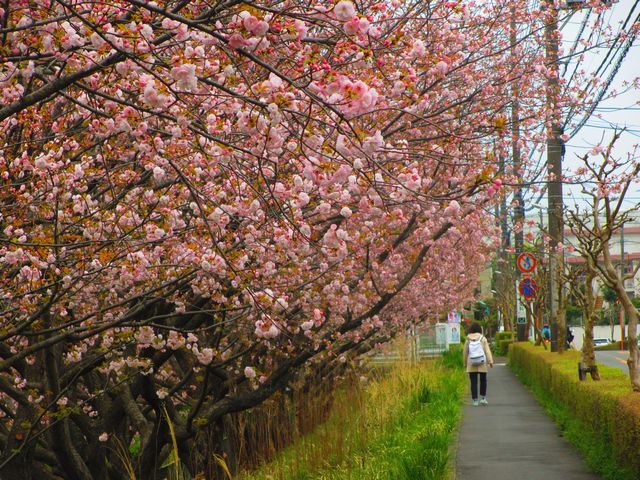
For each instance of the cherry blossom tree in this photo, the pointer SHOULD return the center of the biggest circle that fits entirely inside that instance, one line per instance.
(606, 177)
(201, 200)
(581, 282)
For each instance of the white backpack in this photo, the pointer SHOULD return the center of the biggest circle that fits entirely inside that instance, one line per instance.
(476, 353)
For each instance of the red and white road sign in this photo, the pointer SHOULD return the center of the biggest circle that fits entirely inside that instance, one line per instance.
(526, 262)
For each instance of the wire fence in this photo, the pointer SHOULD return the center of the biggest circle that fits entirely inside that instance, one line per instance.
(424, 342)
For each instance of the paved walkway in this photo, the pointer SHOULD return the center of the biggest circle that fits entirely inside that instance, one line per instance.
(512, 438)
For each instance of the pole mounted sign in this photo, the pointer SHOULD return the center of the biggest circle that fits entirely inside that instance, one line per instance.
(528, 287)
(526, 262)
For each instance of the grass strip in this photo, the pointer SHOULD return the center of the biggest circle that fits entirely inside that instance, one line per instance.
(417, 447)
(400, 428)
(595, 448)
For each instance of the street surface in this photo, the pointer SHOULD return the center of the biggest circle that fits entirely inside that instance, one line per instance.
(512, 437)
(613, 358)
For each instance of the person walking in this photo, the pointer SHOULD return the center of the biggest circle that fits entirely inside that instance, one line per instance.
(569, 338)
(546, 333)
(477, 360)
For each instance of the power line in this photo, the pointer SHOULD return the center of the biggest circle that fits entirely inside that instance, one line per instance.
(621, 51)
(575, 45)
(593, 39)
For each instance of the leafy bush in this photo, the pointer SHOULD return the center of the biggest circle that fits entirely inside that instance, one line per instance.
(502, 340)
(602, 419)
(506, 335)
(502, 347)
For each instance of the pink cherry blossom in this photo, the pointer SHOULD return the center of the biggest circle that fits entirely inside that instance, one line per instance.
(344, 10)
(453, 209)
(195, 195)
(237, 41)
(185, 77)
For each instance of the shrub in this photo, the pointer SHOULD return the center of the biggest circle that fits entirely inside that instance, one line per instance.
(453, 357)
(608, 412)
(506, 335)
(502, 347)
(502, 340)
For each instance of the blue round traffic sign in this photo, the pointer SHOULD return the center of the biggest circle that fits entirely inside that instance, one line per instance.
(527, 287)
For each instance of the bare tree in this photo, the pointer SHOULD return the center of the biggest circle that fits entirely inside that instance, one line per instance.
(581, 281)
(606, 179)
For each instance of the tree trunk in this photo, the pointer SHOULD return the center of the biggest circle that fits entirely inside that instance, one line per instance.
(611, 321)
(537, 312)
(561, 321)
(632, 361)
(617, 282)
(588, 351)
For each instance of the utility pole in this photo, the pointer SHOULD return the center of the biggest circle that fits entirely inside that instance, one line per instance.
(518, 217)
(504, 283)
(555, 151)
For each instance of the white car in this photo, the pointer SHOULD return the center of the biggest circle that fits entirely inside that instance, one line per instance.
(598, 342)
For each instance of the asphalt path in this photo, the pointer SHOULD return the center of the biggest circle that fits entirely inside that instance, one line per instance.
(512, 437)
(613, 358)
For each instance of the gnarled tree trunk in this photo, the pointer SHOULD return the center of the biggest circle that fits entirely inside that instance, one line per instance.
(588, 304)
(617, 283)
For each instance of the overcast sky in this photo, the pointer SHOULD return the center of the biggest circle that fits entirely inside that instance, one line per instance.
(618, 112)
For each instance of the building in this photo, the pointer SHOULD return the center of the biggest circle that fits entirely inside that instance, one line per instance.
(625, 252)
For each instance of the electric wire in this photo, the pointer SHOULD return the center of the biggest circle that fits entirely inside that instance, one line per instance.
(621, 51)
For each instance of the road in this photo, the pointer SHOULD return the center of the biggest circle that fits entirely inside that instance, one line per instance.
(613, 358)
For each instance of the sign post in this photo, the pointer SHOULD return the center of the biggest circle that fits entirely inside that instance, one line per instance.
(526, 289)
(521, 313)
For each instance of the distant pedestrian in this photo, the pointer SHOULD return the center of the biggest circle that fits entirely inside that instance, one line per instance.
(569, 337)
(546, 333)
(477, 358)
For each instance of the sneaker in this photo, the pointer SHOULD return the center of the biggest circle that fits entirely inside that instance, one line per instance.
(475, 403)
(483, 401)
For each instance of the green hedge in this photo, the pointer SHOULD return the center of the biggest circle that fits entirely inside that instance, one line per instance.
(502, 347)
(506, 335)
(502, 342)
(608, 410)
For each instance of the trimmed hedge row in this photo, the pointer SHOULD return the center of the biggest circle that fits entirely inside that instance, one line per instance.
(506, 335)
(608, 408)
(502, 342)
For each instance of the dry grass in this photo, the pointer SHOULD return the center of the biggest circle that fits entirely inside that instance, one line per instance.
(392, 422)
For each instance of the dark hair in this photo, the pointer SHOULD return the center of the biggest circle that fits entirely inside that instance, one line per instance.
(475, 328)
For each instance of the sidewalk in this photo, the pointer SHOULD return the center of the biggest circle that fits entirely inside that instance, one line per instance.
(512, 438)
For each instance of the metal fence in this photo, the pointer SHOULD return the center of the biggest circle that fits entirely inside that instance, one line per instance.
(427, 341)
